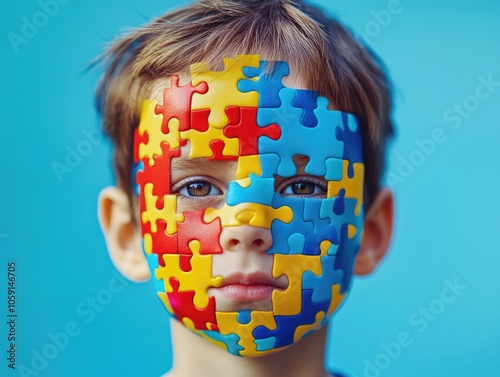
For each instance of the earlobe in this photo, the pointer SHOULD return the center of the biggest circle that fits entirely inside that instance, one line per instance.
(122, 236)
(377, 233)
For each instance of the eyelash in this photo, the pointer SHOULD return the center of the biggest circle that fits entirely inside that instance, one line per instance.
(318, 184)
(184, 184)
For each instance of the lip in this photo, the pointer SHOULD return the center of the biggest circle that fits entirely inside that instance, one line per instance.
(251, 287)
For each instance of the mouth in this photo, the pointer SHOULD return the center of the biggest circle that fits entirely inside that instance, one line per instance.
(248, 288)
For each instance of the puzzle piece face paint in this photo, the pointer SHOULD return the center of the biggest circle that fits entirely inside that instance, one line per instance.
(251, 204)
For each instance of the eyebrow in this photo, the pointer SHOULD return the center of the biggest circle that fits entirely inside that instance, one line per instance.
(187, 164)
(300, 161)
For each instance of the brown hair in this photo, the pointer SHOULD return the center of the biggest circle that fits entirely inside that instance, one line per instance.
(320, 50)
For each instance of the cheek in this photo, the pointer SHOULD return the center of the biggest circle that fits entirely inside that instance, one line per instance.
(316, 287)
(316, 250)
(191, 235)
(195, 229)
(315, 228)
(184, 268)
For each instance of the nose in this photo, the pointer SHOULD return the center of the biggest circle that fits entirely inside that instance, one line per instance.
(246, 238)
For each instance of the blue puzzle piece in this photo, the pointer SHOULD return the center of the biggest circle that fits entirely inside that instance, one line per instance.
(269, 164)
(286, 325)
(267, 84)
(281, 232)
(332, 208)
(261, 191)
(319, 143)
(231, 341)
(349, 213)
(288, 118)
(345, 217)
(345, 245)
(296, 242)
(351, 136)
(312, 207)
(321, 233)
(333, 250)
(323, 229)
(244, 317)
(306, 100)
(322, 285)
(339, 206)
(348, 249)
(265, 344)
(334, 169)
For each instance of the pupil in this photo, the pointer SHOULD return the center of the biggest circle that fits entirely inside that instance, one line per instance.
(302, 188)
(198, 189)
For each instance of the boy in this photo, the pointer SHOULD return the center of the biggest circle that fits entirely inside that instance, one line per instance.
(248, 135)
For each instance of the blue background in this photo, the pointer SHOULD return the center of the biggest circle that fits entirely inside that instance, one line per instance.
(447, 200)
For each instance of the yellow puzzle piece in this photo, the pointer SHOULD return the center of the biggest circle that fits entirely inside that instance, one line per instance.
(247, 165)
(228, 323)
(293, 266)
(353, 186)
(223, 88)
(168, 213)
(151, 123)
(253, 214)
(199, 279)
(337, 299)
(200, 142)
(302, 330)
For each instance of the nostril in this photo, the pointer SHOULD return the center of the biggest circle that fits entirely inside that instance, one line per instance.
(258, 242)
(245, 238)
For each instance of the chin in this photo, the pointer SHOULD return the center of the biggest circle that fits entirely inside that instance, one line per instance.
(263, 306)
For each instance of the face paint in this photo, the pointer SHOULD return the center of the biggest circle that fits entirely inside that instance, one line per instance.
(251, 201)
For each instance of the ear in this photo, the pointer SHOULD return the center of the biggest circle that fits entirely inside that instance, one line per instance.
(122, 236)
(377, 233)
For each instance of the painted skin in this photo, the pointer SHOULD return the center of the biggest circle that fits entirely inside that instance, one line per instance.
(285, 244)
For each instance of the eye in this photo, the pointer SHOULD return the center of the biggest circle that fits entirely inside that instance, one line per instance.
(196, 188)
(305, 187)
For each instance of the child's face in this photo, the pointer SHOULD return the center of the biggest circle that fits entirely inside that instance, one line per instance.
(251, 204)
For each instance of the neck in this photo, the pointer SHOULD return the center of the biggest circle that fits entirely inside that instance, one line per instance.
(195, 357)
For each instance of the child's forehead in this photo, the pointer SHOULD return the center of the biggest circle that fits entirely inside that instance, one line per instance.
(292, 80)
(159, 85)
(243, 110)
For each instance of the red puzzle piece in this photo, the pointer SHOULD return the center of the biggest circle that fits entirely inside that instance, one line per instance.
(159, 173)
(194, 228)
(138, 139)
(217, 147)
(183, 306)
(177, 103)
(162, 243)
(185, 262)
(199, 120)
(246, 129)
